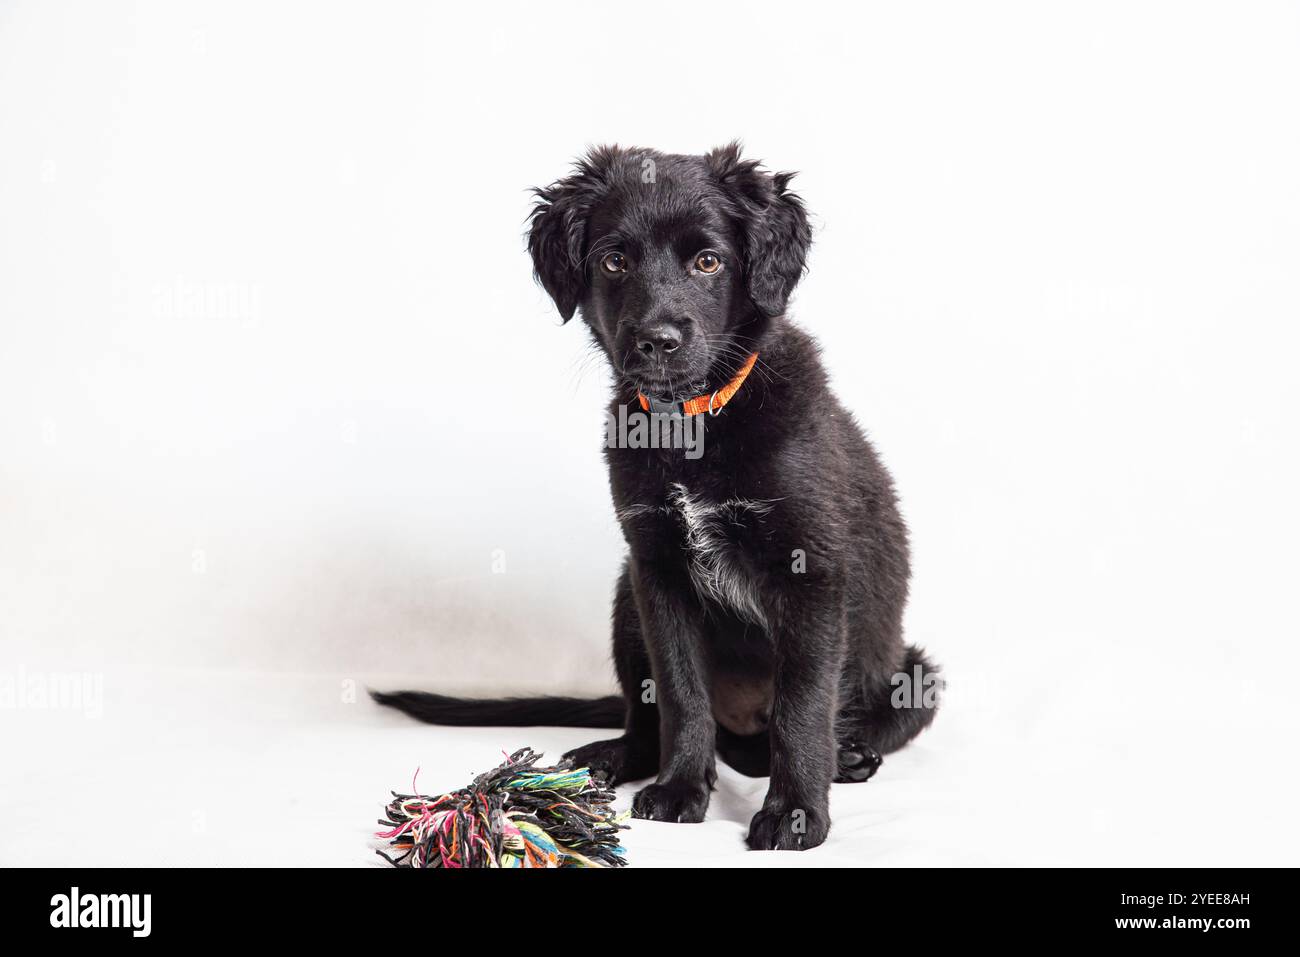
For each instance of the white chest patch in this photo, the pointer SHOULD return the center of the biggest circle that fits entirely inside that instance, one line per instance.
(714, 566)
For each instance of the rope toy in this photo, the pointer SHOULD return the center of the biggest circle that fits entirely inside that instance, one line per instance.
(517, 815)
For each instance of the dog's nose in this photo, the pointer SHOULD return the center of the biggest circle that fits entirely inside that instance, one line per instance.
(660, 339)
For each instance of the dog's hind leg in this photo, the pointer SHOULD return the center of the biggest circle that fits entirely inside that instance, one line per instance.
(635, 754)
(881, 713)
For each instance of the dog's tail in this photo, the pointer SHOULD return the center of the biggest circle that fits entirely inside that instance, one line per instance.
(507, 712)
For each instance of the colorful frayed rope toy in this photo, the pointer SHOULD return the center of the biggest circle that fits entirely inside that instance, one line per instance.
(518, 815)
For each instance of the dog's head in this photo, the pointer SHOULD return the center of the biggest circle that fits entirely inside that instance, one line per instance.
(677, 263)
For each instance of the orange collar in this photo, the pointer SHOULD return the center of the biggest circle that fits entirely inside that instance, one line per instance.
(711, 403)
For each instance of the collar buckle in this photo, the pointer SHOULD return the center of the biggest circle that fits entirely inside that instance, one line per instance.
(660, 407)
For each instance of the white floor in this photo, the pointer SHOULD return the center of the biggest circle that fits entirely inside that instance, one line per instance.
(208, 768)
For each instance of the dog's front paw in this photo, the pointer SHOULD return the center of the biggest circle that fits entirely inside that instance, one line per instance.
(680, 803)
(787, 828)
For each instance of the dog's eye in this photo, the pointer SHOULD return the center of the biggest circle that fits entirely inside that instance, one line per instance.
(614, 262)
(707, 262)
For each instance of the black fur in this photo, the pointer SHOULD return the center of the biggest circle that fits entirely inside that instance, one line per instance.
(506, 712)
(759, 613)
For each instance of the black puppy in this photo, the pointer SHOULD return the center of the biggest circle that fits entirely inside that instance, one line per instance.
(759, 613)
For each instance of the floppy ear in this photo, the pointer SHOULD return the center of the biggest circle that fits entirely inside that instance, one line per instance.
(557, 236)
(774, 224)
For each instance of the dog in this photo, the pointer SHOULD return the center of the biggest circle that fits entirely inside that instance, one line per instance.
(758, 616)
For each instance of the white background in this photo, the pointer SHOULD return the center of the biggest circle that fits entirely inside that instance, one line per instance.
(277, 389)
